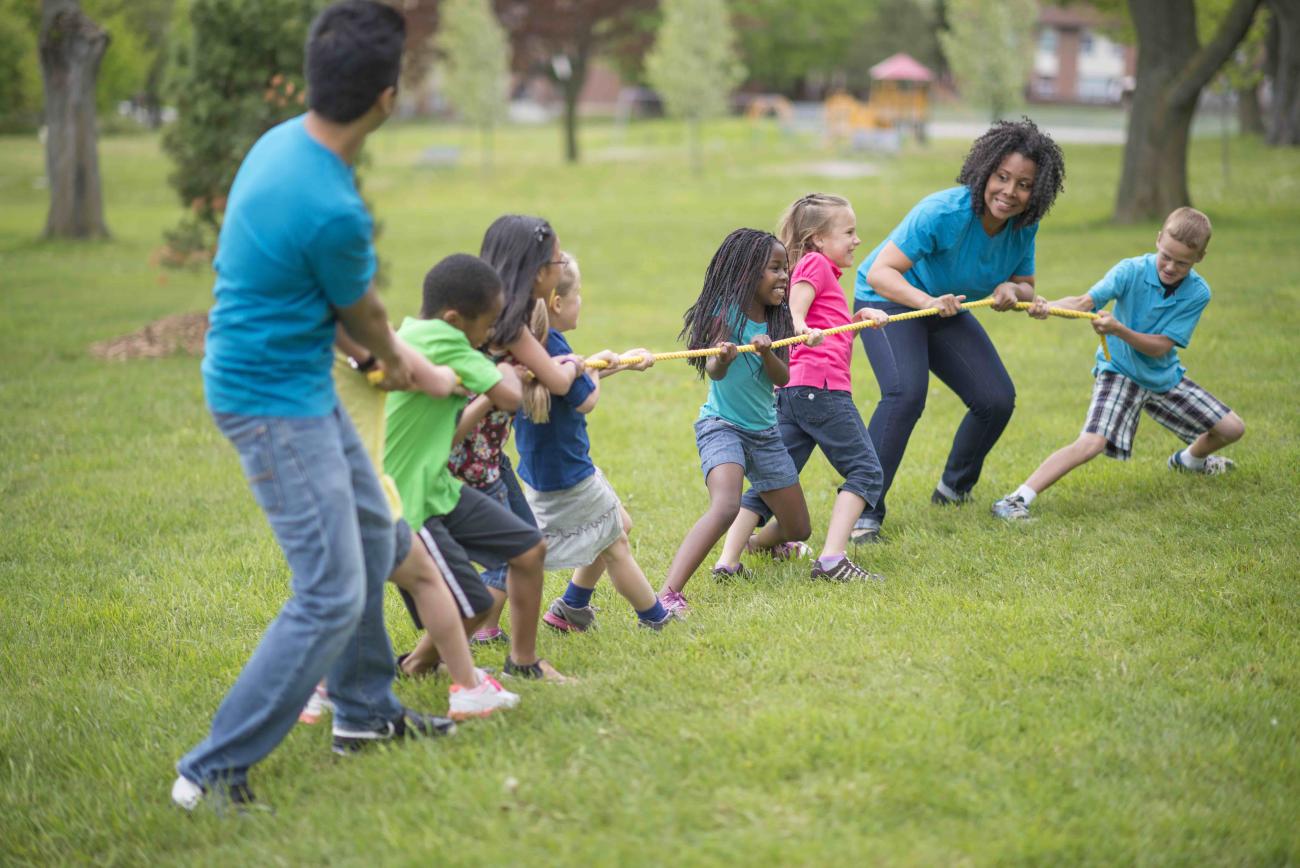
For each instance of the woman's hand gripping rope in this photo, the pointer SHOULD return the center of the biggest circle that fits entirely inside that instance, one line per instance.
(865, 318)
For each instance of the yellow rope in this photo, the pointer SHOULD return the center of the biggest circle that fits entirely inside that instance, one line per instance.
(598, 364)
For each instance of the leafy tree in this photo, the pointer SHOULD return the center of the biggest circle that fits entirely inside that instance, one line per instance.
(20, 75)
(562, 36)
(1284, 66)
(990, 49)
(235, 72)
(693, 64)
(476, 65)
(786, 44)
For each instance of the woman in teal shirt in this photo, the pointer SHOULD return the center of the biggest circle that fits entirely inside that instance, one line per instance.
(961, 244)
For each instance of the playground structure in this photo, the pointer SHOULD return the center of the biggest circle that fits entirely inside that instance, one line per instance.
(899, 101)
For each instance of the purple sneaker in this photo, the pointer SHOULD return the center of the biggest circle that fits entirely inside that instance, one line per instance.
(489, 636)
(674, 602)
(722, 574)
(786, 551)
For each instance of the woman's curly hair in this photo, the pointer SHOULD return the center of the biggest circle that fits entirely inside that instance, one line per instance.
(1015, 137)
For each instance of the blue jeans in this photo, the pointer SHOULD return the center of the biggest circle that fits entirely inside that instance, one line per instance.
(506, 491)
(316, 485)
(959, 352)
(809, 418)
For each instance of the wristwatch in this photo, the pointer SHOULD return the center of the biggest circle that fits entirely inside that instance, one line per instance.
(364, 367)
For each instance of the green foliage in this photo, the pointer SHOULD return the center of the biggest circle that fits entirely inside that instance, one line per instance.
(124, 71)
(233, 75)
(693, 63)
(20, 72)
(784, 43)
(990, 49)
(475, 62)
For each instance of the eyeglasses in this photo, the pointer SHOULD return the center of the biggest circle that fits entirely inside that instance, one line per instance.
(563, 260)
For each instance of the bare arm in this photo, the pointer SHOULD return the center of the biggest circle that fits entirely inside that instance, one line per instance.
(509, 393)
(886, 278)
(1146, 344)
(436, 381)
(555, 375)
(366, 322)
(777, 371)
(801, 299)
(475, 412)
(716, 366)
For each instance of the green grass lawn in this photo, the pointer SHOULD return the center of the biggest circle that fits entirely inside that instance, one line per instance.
(1116, 682)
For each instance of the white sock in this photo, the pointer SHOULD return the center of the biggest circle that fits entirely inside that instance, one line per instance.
(1190, 461)
(946, 491)
(1025, 493)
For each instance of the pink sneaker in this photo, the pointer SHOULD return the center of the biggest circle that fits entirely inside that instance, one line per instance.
(316, 705)
(489, 636)
(481, 701)
(674, 602)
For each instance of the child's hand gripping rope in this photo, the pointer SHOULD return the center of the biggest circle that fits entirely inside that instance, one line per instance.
(863, 320)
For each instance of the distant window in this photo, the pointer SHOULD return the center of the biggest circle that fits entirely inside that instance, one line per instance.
(1047, 40)
(1085, 43)
(1096, 89)
(1044, 87)
(1118, 50)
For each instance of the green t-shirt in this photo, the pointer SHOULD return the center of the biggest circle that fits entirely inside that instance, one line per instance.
(420, 427)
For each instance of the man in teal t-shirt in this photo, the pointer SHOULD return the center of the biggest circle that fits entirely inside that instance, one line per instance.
(295, 257)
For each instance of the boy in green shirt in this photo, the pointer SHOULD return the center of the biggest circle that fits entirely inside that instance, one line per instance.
(462, 299)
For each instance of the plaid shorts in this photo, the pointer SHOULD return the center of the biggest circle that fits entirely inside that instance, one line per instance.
(1186, 409)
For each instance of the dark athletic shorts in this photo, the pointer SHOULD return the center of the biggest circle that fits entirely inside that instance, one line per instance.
(478, 530)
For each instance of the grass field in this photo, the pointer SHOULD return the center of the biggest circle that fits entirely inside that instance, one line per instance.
(1116, 682)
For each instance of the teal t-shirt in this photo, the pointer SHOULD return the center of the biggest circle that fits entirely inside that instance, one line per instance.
(420, 428)
(951, 252)
(295, 244)
(1143, 304)
(744, 397)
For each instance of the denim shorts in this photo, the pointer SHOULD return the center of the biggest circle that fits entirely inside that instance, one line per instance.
(767, 463)
(505, 490)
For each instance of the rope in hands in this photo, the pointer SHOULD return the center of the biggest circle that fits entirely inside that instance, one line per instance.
(599, 364)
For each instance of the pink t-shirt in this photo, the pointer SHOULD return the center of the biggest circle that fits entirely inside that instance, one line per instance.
(825, 366)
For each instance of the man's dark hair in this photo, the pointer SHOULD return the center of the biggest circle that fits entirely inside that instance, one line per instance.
(463, 283)
(354, 53)
(1015, 137)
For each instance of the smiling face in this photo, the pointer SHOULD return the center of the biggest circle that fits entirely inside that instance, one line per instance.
(840, 238)
(1008, 189)
(1174, 259)
(775, 279)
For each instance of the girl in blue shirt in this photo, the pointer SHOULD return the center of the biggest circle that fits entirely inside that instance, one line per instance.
(967, 242)
(580, 516)
(743, 302)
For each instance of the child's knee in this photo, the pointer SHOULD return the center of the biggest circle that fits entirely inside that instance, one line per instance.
(1089, 446)
(626, 518)
(532, 559)
(1230, 428)
(617, 551)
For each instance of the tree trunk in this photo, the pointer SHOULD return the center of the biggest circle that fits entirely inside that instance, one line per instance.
(1284, 115)
(1172, 69)
(1250, 120)
(71, 47)
(572, 88)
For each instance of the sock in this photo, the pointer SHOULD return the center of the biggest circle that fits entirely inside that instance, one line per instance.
(1190, 461)
(947, 492)
(657, 612)
(1025, 493)
(828, 561)
(576, 596)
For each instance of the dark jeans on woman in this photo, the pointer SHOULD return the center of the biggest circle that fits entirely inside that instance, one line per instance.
(959, 352)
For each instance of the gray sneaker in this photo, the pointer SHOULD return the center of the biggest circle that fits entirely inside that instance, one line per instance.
(844, 571)
(1215, 465)
(1011, 508)
(568, 619)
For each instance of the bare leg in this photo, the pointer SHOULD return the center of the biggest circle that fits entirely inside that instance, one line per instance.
(848, 506)
(1065, 459)
(524, 588)
(791, 512)
(1227, 430)
(418, 575)
(724, 483)
(492, 618)
(738, 537)
(588, 576)
(626, 576)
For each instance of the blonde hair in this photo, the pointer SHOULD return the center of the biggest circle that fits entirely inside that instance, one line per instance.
(536, 397)
(1188, 226)
(809, 215)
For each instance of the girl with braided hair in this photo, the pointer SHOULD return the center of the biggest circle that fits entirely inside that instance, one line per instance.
(967, 242)
(743, 301)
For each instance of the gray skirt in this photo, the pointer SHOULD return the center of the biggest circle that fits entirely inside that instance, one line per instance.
(578, 523)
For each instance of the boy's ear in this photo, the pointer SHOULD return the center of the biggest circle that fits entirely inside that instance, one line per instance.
(452, 317)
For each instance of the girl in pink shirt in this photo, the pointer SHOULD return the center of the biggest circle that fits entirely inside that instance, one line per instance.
(815, 409)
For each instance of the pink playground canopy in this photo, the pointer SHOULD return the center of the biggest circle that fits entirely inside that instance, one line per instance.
(901, 67)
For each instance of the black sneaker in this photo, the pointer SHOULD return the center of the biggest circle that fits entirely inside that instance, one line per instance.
(938, 498)
(408, 724)
(864, 536)
(540, 670)
(739, 571)
(844, 571)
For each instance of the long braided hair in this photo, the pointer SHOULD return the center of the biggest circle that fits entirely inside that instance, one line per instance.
(729, 286)
(1015, 137)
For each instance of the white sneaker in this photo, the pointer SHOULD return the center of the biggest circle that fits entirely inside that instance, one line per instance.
(317, 705)
(1215, 465)
(1011, 508)
(481, 701)
(186, 793)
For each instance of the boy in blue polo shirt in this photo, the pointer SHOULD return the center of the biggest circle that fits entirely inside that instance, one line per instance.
(1158, 299)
